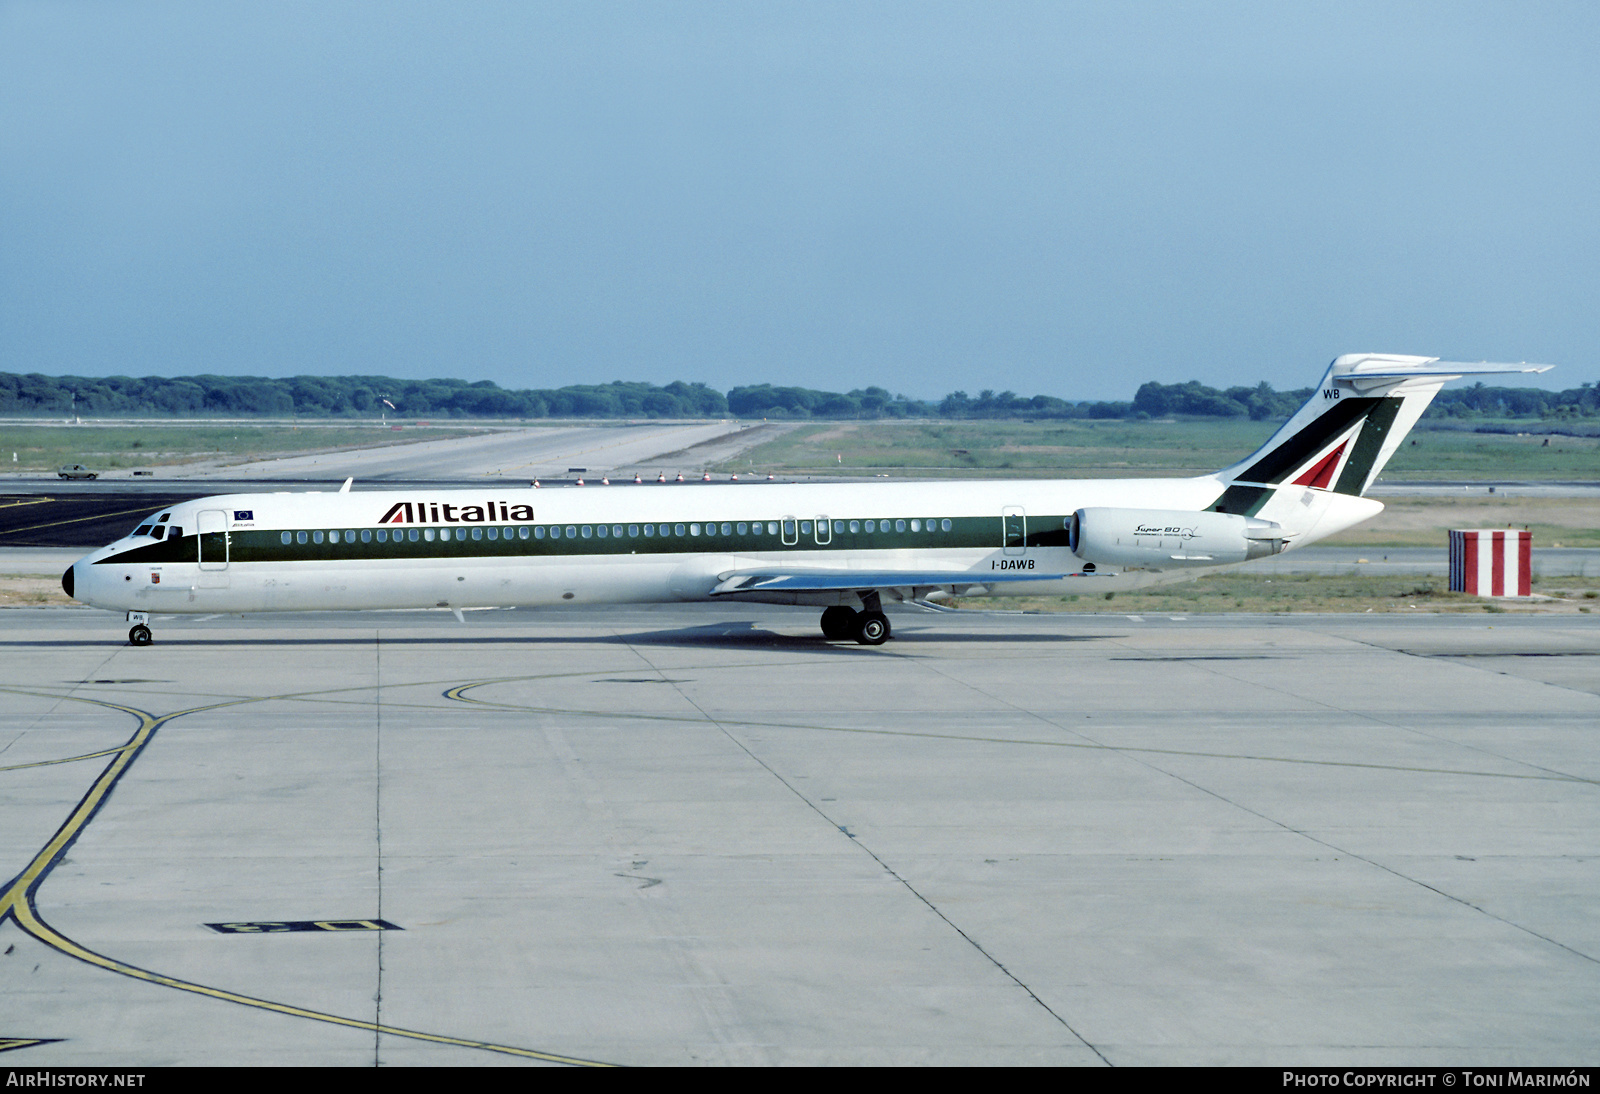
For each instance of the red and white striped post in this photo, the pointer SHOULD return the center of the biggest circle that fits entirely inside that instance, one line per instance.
(1491, 562)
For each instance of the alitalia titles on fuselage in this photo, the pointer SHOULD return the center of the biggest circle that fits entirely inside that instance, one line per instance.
(437, 512)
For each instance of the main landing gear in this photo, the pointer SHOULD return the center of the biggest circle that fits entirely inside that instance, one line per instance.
(139, 634)
(869, 627)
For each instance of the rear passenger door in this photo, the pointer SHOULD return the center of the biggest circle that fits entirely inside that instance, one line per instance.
(1014, 530)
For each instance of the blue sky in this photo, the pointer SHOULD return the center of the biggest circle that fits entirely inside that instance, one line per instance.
(1058, 198)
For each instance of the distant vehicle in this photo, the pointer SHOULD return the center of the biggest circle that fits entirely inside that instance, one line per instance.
(77, 471)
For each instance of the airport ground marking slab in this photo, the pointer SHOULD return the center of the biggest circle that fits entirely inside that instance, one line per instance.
(17, 899)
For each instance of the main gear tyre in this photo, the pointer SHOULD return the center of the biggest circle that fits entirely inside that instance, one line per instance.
(839, 622)
(872, 628)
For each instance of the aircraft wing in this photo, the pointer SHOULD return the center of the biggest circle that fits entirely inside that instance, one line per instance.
(823, 581)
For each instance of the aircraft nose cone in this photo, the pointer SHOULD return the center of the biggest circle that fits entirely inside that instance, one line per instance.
(66, 580)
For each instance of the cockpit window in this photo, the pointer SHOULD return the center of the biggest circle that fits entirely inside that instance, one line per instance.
(162, 519)
(156, 531)
(142, 530)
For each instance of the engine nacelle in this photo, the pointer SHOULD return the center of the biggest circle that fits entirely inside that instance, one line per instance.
(1170, 538)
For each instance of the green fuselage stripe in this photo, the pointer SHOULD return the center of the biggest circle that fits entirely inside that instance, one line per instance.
(261, 545)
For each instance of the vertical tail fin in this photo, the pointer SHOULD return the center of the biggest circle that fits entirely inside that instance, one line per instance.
(1345, 433)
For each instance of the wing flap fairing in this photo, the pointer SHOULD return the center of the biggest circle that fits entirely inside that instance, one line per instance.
(828, 581)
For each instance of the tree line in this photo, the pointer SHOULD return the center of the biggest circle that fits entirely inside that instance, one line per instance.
(34, 395)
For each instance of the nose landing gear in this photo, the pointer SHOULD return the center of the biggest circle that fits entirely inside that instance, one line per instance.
(139, 634)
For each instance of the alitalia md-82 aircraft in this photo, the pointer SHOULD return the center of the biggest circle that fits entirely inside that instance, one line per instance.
(844, 547)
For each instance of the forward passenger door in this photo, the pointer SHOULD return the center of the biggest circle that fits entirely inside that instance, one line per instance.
(211, 532)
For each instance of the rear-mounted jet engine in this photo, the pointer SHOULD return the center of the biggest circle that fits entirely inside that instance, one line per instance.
(1165, 538)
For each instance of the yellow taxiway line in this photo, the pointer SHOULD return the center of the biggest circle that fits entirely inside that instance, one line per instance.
(17, 902)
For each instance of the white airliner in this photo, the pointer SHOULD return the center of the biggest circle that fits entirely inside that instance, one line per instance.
(831, 545)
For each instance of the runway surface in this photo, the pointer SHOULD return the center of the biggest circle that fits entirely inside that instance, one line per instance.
(520, 453)
(702, 834)
(1434, 561)
(1475, 490)
(40, 511)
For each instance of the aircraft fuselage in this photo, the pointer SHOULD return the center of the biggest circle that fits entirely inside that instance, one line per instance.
(618, 544)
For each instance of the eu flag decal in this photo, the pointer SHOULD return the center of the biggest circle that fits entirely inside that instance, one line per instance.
(244, 514)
